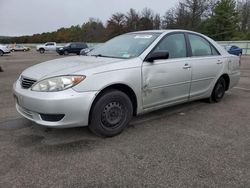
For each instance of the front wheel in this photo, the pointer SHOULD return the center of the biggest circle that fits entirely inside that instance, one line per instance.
(219, 90)
(111, 113)
(1, 53)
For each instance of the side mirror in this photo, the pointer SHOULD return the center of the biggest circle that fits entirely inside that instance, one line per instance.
(157, 55)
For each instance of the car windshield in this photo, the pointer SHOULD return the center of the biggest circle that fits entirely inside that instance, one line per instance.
(68, 44)
(125, 46)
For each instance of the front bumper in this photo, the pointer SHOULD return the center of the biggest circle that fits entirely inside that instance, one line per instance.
(73, 107)
(7, 52)
(59, 51)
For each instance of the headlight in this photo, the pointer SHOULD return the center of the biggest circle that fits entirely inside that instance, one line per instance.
(57, 83)
(60, 48)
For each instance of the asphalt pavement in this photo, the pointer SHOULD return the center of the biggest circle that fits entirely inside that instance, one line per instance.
(195, 144)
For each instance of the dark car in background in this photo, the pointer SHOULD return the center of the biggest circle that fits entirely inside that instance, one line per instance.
(235, 50)
(74, 47)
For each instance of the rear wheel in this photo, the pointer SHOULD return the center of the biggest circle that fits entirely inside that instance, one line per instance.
(111, 113)
(219, 90)
(41, 50)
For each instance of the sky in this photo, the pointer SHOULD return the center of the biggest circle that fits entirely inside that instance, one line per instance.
(27, 17)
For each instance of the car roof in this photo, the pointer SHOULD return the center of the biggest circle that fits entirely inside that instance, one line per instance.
(164, 31)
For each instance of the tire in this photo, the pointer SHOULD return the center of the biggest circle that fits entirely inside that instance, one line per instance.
(1, 53)
(41, 50)
(110, 114)
(219, 90)
(66, 52)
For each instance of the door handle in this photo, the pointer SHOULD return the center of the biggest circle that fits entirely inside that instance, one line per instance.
(219, 62)
(187, 66)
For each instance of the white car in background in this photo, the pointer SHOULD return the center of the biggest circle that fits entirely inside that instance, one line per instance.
(4, 50)
(129, 75)
(48, 46)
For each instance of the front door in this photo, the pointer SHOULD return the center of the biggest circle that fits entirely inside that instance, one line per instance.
(167, 81)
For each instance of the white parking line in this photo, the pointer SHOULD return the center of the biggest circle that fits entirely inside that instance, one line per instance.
(241, 88)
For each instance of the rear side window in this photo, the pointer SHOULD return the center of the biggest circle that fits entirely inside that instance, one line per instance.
(81, 45)
(201, 47)
(49, 44)
(175, 44)
(78, 45)
(73, 45)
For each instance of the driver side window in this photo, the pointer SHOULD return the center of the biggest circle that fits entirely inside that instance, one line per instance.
(174, 44)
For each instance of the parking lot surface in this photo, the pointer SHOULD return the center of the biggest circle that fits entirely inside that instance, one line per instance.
(195, 144)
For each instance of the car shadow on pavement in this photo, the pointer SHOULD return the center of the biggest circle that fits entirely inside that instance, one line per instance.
(51, 141)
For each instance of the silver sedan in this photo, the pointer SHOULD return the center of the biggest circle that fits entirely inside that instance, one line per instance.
(129, 75)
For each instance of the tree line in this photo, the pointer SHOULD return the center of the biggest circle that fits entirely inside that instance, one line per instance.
(219, 19)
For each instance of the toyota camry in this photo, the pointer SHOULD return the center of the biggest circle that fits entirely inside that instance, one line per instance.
(129, 75)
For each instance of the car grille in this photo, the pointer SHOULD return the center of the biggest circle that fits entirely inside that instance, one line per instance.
(26, 83)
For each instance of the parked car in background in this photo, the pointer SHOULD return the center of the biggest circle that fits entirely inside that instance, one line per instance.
(74, 47)
(18, 47)
(235, 50)
(129, 75)
(4, 50)
(49, 46)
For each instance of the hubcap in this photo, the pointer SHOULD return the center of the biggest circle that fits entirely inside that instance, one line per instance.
(112, 115)
(220, 90)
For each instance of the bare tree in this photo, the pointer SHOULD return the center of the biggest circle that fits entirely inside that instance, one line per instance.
(169, 19)
(196, 10)
(132, 20)
(116, 25)
(147, 19)
(157, 21)
(188, 14)
(244, 15)
(182, 16)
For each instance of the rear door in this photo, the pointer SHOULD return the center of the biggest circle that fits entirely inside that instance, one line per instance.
(50, 46)
(207, 64)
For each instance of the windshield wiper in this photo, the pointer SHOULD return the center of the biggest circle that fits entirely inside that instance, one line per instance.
(100, 55)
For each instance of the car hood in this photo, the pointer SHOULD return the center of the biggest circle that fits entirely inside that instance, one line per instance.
(66, 66)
